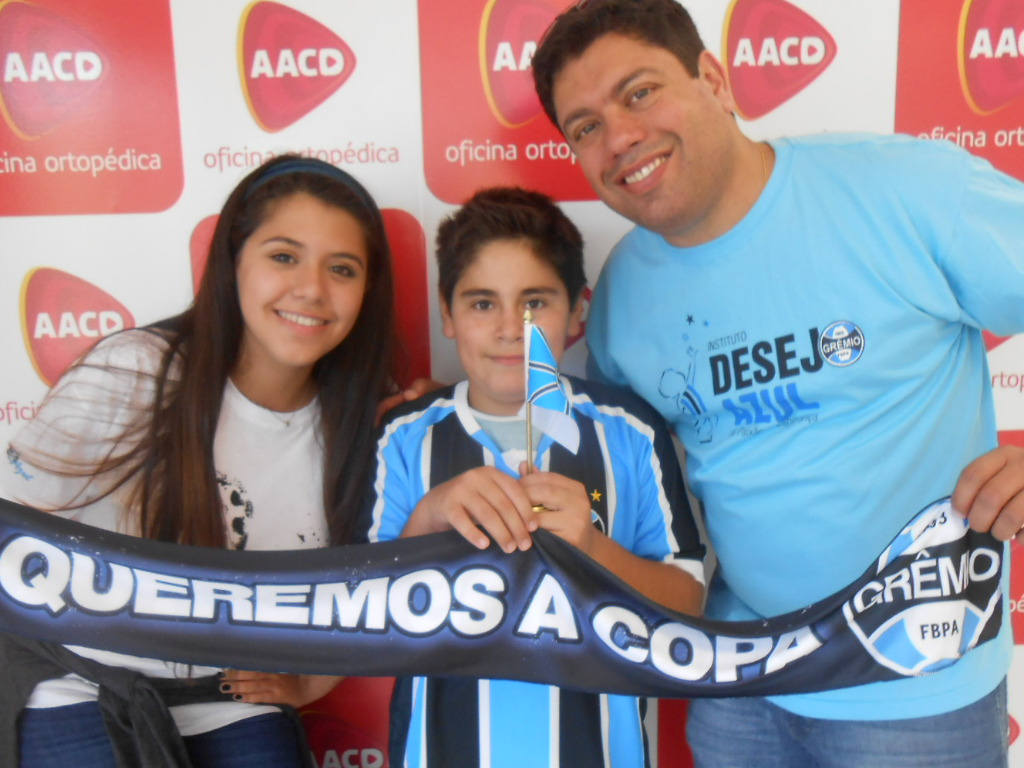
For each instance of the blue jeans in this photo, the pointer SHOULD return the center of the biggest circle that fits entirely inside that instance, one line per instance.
(753, 733)
(74, 736)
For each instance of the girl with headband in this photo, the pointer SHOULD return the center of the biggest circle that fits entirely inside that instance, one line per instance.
(247, 422)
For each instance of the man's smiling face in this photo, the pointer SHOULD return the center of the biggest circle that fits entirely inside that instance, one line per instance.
(658, 145)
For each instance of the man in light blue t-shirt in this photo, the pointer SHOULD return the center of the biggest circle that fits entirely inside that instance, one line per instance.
(808, 314)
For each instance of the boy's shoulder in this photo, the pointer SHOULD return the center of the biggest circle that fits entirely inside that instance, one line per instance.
(610, 399)
(414, 410)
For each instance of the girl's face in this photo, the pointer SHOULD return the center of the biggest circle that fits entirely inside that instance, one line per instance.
(301, 280)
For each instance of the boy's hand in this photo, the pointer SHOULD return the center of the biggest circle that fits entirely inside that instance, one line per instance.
(270, 688)
(484, 497)
(566, 505)
(568, 515)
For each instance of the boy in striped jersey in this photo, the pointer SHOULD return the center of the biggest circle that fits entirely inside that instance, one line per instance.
(456, 458)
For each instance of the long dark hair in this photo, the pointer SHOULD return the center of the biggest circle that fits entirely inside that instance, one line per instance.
(170, 469)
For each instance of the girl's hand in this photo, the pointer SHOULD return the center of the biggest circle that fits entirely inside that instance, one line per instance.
(276, 688)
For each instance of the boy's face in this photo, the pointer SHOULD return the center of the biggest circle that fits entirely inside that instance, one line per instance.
(486, 320)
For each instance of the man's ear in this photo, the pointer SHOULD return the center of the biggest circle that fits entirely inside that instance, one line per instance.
(447, 324)
(711, 72)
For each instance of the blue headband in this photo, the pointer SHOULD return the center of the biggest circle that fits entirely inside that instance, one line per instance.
(320, 168)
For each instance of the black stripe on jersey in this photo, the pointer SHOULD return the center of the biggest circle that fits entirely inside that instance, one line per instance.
(453, 723)
(579, 727)
(452, 451)
(586, 466)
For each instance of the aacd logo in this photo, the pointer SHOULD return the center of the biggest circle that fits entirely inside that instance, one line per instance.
(991, 53)
(51, 70)
(509, 31)
(62, 316)
(289, 63)
(772, 50)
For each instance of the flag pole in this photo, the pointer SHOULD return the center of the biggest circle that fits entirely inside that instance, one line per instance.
(527, 338)
(527, 325)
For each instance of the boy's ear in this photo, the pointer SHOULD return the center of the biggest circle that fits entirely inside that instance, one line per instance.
(576, 317)
(447, 324)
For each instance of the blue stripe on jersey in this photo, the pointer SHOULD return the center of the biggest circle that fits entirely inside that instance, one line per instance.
(415, 748)
(625, 732)
(527, 709)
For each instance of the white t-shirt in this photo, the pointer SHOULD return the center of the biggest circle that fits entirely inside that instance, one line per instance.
(269, 468)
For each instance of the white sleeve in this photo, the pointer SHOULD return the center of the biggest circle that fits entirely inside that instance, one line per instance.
(95, 411)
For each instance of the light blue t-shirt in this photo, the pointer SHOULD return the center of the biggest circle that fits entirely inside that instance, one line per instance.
(824, 365)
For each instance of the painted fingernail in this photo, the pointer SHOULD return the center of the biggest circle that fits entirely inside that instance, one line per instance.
(225, 687)
(237, 697)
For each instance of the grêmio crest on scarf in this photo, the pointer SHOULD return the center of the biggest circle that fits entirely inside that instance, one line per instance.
(434, 605)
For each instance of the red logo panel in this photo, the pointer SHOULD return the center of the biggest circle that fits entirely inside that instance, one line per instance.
(63, 315)
(89, 108)
(773, 50)
(992, 341)
(991, 53)
(1017, 590)
(349, 726)
(961, 76)
(482, 122)
(290, 63)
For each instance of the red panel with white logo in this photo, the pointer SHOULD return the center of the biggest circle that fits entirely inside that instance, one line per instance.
(772, 51)
(63, 315)
(482, 121)
(89, 108)
(348, 727)
(290, 63)
(961, 76)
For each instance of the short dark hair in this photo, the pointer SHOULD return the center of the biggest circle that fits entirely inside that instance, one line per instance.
(509, 213)
(664, 23)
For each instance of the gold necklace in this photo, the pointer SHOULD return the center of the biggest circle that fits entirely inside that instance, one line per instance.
(764, 166)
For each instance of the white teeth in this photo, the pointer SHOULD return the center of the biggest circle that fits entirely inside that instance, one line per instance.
(301, 319)
(644, 172)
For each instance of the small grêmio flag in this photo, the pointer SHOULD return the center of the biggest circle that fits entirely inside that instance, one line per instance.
(549, 408)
